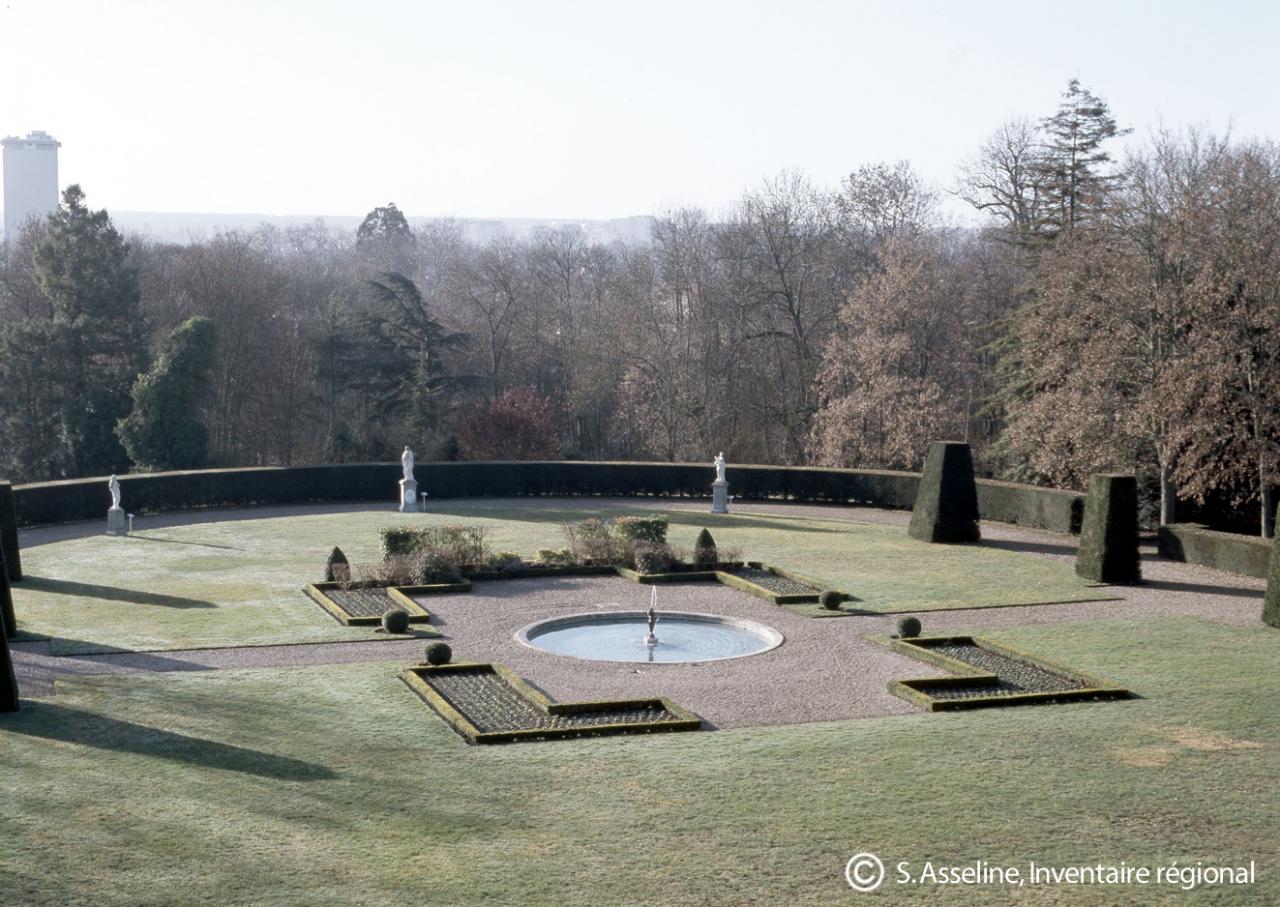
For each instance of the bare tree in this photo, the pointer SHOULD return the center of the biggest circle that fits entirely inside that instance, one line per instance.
(895, 372)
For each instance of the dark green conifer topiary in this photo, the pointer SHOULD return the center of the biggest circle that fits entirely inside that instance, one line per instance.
(831, 599)
(1271, 603)
(8, 620)
(396, 621)
(704, 549)
(1109, 533)
(437, 653)
(9, 532)
(336, 567)
(908, 627)
(8, 680)
(946, 508)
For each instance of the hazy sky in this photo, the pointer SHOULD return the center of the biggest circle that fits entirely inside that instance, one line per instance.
(584, 109)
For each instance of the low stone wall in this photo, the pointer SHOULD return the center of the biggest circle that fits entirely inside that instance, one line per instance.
(76, 500)
(1197, 544)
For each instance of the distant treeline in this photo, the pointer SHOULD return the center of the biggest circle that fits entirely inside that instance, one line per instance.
(1107, 315)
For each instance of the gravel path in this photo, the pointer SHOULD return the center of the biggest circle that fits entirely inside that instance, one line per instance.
(825, 670)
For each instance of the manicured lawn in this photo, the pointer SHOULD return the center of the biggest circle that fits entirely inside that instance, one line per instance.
(336, 785)
(238, 582)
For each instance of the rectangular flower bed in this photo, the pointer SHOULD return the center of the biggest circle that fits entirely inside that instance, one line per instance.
(489, 703)
(985, 673)
(363, 604)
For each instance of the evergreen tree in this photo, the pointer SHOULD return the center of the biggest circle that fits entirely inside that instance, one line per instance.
(1071, 169)
(385, 240)
(71, 362)
(164, 430)
(407, 345)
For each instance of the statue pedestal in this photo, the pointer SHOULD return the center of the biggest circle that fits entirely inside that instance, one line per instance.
(408, 496)
(116, 524)
(720, 496)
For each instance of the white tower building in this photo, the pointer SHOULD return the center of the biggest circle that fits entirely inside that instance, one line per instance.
(30, 179)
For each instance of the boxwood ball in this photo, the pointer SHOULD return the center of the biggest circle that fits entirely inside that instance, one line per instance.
(437, 653)
(396, 621)
(908, 627)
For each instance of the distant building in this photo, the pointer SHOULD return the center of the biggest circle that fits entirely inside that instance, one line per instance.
(30, 179)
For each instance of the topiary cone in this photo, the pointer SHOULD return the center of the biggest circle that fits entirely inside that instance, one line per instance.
(704, 549)
(8, 620)
(1109, 532)
(8, 680)
(336, 563)
(946, 508)
(9, 532)
(1271, 603)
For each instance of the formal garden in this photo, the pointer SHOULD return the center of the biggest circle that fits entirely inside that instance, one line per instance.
(353, 701)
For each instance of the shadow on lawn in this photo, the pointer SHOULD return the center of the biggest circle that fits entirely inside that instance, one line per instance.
(157, 538)
(1234, 591)
(538, 514)
(111, 593)
(1028, 547)
(69, 725)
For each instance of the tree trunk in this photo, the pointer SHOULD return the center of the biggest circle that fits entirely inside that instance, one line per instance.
(1168, 496)
(1267, 493)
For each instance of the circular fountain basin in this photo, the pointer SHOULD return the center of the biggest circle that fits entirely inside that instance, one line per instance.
(681, 636)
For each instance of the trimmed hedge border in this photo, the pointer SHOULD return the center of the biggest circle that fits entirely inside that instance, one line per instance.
(77, 500)
(418, 679)
(1197, 544)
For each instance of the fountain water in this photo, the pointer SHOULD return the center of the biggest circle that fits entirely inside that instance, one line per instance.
(621, 636)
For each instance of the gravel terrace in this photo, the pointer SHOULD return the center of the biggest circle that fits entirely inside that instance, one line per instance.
(824, 671)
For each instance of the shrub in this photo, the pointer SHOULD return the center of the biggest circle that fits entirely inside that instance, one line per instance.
(651, 558)
(437, 653)
(831, 599)
(643, 528)
(908, 627)
(554, 557)
(593, 541)
(704, 549)
(337, 569)
(398, 541)
(462, 544)
(393, 572)
(504, 560)
(729, 554)
(432, 566)
(396, 621)
(468, 544)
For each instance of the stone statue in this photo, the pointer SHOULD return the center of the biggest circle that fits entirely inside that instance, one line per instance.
(720, 487)
(406, 463)
(116, 515)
